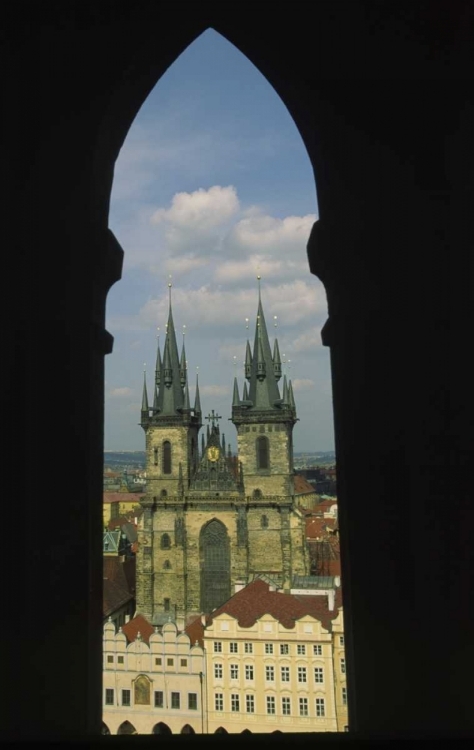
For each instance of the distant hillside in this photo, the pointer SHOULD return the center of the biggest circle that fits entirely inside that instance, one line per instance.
(125, 459)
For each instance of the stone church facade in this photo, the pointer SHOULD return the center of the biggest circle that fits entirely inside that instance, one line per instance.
(213, 520)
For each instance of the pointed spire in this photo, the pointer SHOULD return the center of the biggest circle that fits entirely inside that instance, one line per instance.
(248, 361)
(276, 360)
(245, 395)
(229, 452)
(291, 397)
(261, 368)
(236, 398)
(145, 407)
(285, 397)
(156, 408)
(197, 400)
(158, 360)
(186, 405)
(203, 447)
(167, 368)
(208, 435)
(223, 443)
(182, 365)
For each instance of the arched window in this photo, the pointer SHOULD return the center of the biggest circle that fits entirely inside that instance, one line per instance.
(165, 541)
(155, 456)
(163, 493)
(263, 453)
(167, 565)
(257, 494)
(214, 551)
(264, 522)
(167, 457)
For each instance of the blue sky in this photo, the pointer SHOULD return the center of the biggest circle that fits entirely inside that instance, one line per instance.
(213, 186)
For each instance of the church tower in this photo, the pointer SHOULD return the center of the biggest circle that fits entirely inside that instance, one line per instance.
(171, 428)
(264, 418)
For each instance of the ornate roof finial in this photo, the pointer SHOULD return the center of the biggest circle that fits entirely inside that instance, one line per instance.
(259, 290)
(169, 288)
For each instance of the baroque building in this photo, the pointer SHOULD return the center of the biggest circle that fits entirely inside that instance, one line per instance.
(211, 519)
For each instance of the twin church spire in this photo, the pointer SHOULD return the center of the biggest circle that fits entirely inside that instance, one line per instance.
(261, 392)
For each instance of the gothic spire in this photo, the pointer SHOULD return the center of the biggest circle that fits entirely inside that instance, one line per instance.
(145, 407)
(182, 365)
(236, 399)
(276, 360)
(171, 393)
(203, 447)
(186, 405)
(223, 444)
(248, 361)
(197, 399)
(291, 397)
(245, 395)
(156, 408)
(285, 397)
(158, 364)
(263, 385)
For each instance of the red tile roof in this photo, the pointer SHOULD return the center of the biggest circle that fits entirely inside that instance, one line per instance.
(319, 528)
(256, 600)
(302, 486)
(123, 497)
(121, 573)
(138, 625)
(195, 631)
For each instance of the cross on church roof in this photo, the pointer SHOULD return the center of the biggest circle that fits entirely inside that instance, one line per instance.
(212, 417)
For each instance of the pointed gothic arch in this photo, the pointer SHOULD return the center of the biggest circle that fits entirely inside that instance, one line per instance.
(161, 728)
(214, 551)
(126, 728)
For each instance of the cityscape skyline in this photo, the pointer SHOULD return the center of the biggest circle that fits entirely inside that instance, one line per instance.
(213, 199)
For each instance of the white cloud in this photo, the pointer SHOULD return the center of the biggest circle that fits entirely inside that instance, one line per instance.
(120, 392)
(302, 384)
(201, 209)
(260, 232)
(184, 264)
(307, 341)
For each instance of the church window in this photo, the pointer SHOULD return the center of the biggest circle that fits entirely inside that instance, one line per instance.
(257, 494)
(270, 428)
(214, 549)
(247, 429)
(264, 522)
(163, 493)
(167, 457)
(155, 456)
(262, 428)
(263, 459)
(167, 565)
(165, 541)
(166, 605)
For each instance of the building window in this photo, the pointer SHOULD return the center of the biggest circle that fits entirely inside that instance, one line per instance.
(263, 452)
(166, 605)
(219, 701)
(346, 727)
(158, 699)
(248, 672)
(302, 674)
(341, 640)
(165, 541)
(167, 457)
(157, 661)
(286, 706)
(248, 648)
(170, 662)
(301, 650)
(271, 706)
(184, 662)
(109, 697)
(343, 666)
(318, 674)
(270, 674)
(344, 696)
(284, 649)
(155, 456)
(125, 697)
(217, 647)
(120, 659)
(250, 704)
(218, 671)
(110, 659)
(234, 671)
(285, 674)
(320, 707)
(175, 700)
(303, 706)
(269, 648)
(317, 650)
(234, 648)
(163, 493)
(192, 701)
(264, 522)
(234, 702)
(257, 494)
(167, 565)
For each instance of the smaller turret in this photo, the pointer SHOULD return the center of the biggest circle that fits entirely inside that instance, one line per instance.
(276, 361)
(248, 361)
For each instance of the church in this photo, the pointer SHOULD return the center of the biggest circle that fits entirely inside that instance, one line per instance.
(212, 520)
